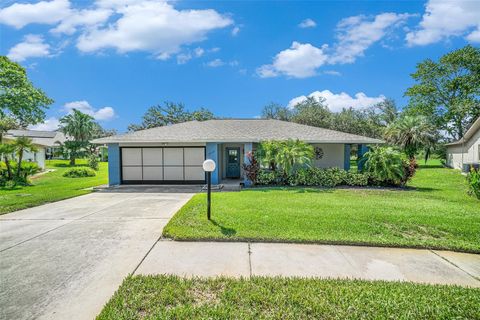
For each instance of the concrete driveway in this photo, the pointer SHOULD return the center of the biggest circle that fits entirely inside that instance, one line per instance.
(64, 260)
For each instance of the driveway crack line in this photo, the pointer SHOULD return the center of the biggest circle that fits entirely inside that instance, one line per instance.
(146, 254)
(453, 264)
(250, 259)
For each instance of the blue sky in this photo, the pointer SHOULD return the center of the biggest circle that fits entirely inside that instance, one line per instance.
(115, 58)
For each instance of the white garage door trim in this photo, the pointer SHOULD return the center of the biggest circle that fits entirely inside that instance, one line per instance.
(162, 165)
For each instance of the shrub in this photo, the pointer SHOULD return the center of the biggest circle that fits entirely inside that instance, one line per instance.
(252, 167)
(79, 173)
(327, 178)
(473, 180)
(93, 162)
(27, 169)
(266, 177)
(385, 166)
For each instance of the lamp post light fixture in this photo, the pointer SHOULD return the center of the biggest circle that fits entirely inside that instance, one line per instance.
(209, 167)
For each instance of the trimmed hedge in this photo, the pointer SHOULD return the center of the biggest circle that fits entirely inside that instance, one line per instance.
(79, 173)
(331, 177)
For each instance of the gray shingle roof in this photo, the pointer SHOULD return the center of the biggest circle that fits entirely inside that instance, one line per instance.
(229, 130)
(41, 138)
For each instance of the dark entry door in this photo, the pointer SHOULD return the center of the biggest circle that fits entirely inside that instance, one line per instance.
(233, 162)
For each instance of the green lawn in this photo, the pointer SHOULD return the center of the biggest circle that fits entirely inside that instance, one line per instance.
(170, 297)
(435, 213)
(50, 187)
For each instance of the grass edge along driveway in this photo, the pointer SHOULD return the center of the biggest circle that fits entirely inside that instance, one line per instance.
(434, 213)
(51, 187)
(171, 297)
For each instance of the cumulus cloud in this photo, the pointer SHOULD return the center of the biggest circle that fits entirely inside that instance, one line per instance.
(443, 19)
(215, 63)
(32, 46)
(307, 23)
(354, 35)
(336, 102)
(105, 113)
(299, 61)
(19, 15)
(358, 33)
(82, 18)
(153, 26)
(51, 124)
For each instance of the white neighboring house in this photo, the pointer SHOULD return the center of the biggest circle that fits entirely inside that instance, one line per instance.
(45, 141)
(465, 152)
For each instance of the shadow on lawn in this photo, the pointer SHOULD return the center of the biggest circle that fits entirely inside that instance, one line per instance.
(293, 189)
(67, 165)
(224, 230)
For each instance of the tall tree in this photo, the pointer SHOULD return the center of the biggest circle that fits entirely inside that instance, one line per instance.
(170, 113)
(448, 91)
(412, 134)
(79, 127)
(276, 111)
(19, 99)
(312, 112)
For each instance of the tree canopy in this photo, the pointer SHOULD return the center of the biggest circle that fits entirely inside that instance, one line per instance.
(170, 113)
(448, 91)
(19, 99)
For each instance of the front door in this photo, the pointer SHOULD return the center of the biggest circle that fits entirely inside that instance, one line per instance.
(233, 162)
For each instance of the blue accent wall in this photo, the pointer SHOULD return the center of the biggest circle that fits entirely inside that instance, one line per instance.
(212, 153)
(113, 164)
(362, 149)
(346, 157)
(248, 147)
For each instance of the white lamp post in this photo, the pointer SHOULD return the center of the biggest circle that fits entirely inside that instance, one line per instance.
(209, 167)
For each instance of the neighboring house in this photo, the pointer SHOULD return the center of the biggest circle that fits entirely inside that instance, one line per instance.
(47, 143)
(174, 154)
(465, 152)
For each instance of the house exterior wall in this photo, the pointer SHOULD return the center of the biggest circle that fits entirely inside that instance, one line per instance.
(469, 152)
(333, 156)
(38, 157)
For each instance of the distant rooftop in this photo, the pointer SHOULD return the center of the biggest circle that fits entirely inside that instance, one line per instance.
(42, 138)
(237, 130)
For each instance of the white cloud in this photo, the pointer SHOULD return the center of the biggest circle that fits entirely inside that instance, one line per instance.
(51, 124)
(199, 52)
(105, 113)
(332, 73)
(300, 61)
(32, 46)
(153, 26)
(356, 34)
(19, 15)
(307, 23)
(215, 63)
(82, 18)
(235, 31)
(443, 19)
(183, 58)
(336, 102)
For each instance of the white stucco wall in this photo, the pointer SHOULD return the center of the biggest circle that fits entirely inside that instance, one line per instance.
(333, 156)
(459, 154)
(38, 157)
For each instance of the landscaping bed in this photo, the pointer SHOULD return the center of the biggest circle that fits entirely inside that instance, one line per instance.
(171, 297)
(51, 186)
(434, 212)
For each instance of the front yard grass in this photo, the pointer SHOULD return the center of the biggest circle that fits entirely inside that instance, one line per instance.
(51, 186)
(171, 297)
(435, 212)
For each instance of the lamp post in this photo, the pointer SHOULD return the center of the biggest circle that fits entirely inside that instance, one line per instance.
(209, 167)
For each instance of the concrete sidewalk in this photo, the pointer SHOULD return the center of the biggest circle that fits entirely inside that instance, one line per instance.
(303, 260)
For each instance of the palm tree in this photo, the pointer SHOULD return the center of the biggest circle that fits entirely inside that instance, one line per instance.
(285, 155)
(292, 154)
(411, 133)
(384, 164)
(6, 150)
(21, 145)
(79, 127)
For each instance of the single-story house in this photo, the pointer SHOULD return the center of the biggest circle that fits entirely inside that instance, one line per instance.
(465, 152)
(47, 142)
(174, 154)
